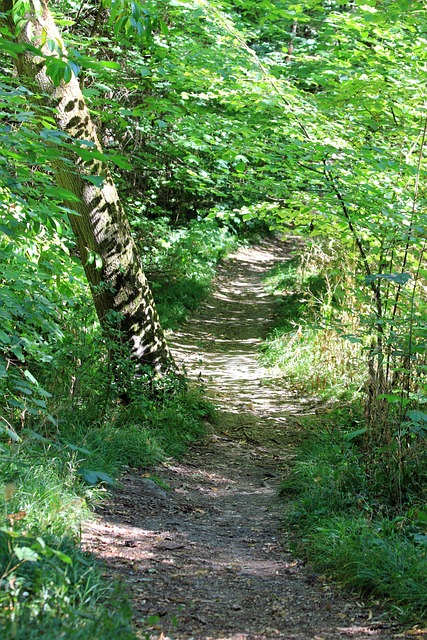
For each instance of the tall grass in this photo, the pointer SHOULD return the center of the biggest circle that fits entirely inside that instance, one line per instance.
(307, 347)
(49, 588)
(340, 509)
(348, 528)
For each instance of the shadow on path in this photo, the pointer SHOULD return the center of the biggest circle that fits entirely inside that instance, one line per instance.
(205, 554)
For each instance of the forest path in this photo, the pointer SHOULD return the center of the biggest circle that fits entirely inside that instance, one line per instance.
(205, 554)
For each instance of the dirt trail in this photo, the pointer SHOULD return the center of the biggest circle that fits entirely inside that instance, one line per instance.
(206, 555)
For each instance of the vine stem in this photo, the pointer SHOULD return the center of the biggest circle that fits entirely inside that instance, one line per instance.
(413, 209)
(406, 254)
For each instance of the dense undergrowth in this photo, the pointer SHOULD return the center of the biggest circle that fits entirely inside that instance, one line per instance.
(345, 513)
(307, 345)
(180, 262)
(66, 436)
(343, 520)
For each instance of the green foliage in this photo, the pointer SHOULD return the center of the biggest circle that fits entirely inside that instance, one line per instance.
(52, 589)
(355, 507)
(374, 558)
(191, 250)
(318, 348)
(309, 116)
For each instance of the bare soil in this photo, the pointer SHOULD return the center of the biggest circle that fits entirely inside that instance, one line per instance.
(199, 544)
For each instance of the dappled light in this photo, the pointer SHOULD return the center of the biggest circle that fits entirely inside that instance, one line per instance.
(199, 542)
(220, 347)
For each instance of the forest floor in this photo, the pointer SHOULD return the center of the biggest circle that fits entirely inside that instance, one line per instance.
(199, 543)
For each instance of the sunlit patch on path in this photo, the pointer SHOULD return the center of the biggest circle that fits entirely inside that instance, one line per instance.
(199, 543)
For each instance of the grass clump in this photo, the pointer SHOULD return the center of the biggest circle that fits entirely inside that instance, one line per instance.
(314, 361)
(49, 587)
(52, 590)
(374, 558)
(343, 521)
(141, 437)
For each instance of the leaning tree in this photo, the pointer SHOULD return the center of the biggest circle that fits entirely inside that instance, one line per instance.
(120, 291)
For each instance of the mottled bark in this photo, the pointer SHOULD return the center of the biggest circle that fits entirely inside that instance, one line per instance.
(119, 288)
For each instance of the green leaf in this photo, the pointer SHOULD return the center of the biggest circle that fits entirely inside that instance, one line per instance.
(93, 477)
(73, 447)
(119, 161)
(352, 338)
(62, 556)
(98, 181)
(30, 377)
(398, 278)
(5, 428)
(417, 416)
(26, 554)
(354, 434)
(164, 29)
(421, 516)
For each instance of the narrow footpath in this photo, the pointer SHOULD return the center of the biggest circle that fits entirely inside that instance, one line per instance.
(201, 549)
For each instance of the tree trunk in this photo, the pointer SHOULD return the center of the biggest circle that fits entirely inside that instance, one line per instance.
(120, 291)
